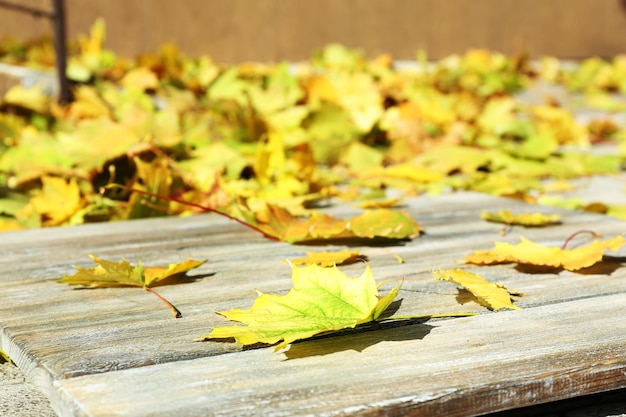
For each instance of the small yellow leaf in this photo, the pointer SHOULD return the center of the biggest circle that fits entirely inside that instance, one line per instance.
(58, 200)
(327, 259)
(374, 204)
(491, 295)
(33, 98)
(4, 357)
(523, 219)
(140, 78)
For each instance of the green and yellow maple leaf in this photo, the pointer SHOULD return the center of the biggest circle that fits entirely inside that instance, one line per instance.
(107, 274)
(321, 300)
(531, 253)
(489, 294)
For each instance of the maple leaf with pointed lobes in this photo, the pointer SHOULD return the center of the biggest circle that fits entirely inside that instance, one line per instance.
(321, 300)
(531, 253)
(122, 274)
(489, 294)
(277, 223)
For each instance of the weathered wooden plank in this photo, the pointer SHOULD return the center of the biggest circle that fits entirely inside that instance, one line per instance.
(56, 333)
(453, 367)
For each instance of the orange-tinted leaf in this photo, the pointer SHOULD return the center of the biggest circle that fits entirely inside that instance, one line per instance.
(278, 223)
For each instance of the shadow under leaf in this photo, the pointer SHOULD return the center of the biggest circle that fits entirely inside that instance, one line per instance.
(355, 241)
(606, 266)
(182, 279)
(463, 297)
(359, 338)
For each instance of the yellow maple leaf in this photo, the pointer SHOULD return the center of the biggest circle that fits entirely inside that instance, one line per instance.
(523, 219)
(108, 274)
(57, 201)
(489, 294)
(531, 253)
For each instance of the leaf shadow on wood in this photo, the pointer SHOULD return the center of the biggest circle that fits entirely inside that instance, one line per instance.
(362, 336)
(359, 338)
(606, 266)
(182, 279)
(173, 280)
(463, 297)
(356, 242)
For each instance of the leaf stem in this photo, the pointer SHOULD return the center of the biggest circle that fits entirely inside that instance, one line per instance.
(190, 204)
(175, 312)
(573, 235)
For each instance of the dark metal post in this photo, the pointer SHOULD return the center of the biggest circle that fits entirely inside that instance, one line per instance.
(60, 48)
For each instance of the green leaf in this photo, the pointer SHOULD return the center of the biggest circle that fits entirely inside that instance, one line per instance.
(321, 300)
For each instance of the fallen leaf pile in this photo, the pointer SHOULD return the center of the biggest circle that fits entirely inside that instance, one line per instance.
(262, 141)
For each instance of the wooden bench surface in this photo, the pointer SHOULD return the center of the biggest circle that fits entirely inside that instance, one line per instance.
(119, 352)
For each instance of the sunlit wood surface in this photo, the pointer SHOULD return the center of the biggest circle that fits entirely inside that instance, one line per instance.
(119, 352)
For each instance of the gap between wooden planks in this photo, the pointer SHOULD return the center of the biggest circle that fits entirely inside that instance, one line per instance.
(456, 367)
(87, 349)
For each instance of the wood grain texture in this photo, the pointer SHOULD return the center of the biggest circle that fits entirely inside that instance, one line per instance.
(110, 352)
(452, 367)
